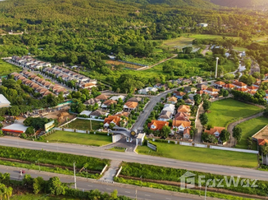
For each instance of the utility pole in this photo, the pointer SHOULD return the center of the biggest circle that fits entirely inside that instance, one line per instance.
(74, 177)
(216, 70)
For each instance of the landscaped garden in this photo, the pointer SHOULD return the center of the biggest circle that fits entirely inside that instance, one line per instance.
(223, 112)
(79, 138)
(6, 68)
(249, 128)
(81, 124)
(204, 155)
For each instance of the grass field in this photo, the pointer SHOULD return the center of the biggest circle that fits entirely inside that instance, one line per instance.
(118, 149)
(6, 68)
(226, 111)
(260, 39)
(79, 138)
(202, 155)
(84, 125)
(249, 128)
(240, 48)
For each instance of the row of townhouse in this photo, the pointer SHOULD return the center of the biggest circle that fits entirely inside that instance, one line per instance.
(37, 88)
(29, 62)
(37, 81)
(68, 75)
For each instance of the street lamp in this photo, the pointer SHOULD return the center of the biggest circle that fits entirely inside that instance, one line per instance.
(216, 70)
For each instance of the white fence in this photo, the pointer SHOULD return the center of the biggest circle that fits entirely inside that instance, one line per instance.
(67, 122)
(81, 131)
(151, 146)
(93, 119)
(206, 146)
(201, 145)
(186, 144)
(234, 149)
(68, 129)
(116, 138)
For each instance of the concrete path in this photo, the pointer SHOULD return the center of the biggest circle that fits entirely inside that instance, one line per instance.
(111, 172)
(198, 125)
(232, 125)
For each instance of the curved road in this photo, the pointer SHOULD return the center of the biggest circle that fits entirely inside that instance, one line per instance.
(133, 157)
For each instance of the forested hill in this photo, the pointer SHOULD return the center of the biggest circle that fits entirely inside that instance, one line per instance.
(241, 3)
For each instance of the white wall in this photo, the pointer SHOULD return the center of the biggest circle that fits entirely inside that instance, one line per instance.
(234, 149)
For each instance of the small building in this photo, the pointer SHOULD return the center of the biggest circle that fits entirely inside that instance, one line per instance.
(215, 131)
(98, 114)
(111, 119)
(169, 107)
(186, 133)
(182, 116)
(238, 84)
(172, 100)
(179, 126)
(190, 89)
(93, 102)
(165, 115)
(86, 112)
(203, 25)
(102, 97)
(129, 106)
(184, 109)
(228, 86)
(116, 98)
(179, 94)
(15, 129)
(219, 84)
(157, 125)
(4, 102)
(201, 86)
(212, 91)
(134, 99)
(189, 102)
(108, 103)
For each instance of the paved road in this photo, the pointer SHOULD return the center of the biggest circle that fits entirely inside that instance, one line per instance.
(232, 125)
(133, 157)
(141, 193)
(148, 109)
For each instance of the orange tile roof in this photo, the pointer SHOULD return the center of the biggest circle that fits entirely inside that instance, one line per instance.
(174, 99)
(184, 108)
(252, 87)
(180, 122)
(102, 97)
(186, 131)
(266, 81)
(179, 93)
(241, 84)
(262, 141)
(109, 102)
(158, 124)
(242, 89)
(112, 118)
(131, 104)
(220, 83)
(252, 92)
(215, 129)
(229, 85)
(212, 89)
(181, 116)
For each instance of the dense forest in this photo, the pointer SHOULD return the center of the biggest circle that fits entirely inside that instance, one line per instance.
(82, 32)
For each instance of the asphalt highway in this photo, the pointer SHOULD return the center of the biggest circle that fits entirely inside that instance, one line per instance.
(84, 184)
(133, 157)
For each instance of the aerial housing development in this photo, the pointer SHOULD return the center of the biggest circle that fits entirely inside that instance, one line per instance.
(145, 100)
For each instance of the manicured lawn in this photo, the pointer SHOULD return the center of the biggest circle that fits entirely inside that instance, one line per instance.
(6, 68)
(118, 149)
(79, 138)
(240, 48)
(249, 128)
(226, 111)
(202, 155)
(84, 125)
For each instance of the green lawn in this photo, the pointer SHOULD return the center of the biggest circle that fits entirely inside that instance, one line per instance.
(6, 68)
(81, 124)
(226, 111)
(202, 155)
(79, 138)
(240, 48)
(249, 128)
(118, 149)
(260, 39)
